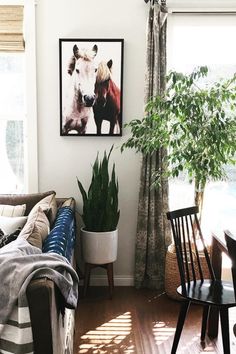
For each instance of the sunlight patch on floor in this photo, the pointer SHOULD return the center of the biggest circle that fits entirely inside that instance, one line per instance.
(206, 347)
(190, 342)
(162, 332)
(108, 336)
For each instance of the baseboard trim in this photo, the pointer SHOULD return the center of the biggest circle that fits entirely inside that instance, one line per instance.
(119, 280)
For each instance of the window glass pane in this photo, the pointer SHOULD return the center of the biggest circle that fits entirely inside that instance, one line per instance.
(200, 40)
(195, 40)
(12, 117)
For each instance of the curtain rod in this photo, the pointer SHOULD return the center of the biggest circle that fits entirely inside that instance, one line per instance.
(163, 2)
(202, 12)
(195, 11)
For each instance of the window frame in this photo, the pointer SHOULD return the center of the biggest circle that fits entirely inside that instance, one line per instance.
(200, 11)
(31, 146)
(30, 123)
(204, 6)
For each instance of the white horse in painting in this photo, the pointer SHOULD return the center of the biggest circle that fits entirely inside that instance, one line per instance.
(81, 95)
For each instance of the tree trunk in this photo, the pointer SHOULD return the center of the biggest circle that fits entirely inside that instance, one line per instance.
(199, 197)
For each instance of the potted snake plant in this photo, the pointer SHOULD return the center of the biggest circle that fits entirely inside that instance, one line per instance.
(100, 214)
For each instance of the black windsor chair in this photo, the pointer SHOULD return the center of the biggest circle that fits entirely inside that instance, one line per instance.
(194, 287)
(231, 245)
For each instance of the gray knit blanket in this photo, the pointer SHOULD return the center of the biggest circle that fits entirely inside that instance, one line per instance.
(19, 264)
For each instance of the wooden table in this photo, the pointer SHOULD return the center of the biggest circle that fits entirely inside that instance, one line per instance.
(218, 246)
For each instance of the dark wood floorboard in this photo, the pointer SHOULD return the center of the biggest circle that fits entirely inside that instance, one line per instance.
(138, 322)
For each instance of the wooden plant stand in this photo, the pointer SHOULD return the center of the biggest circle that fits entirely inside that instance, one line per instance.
(109, 269)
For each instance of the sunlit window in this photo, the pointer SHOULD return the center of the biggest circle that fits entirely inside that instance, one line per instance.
(195, 40)
(12, 113)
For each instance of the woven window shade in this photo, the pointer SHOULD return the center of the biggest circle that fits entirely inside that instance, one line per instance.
(11, 28)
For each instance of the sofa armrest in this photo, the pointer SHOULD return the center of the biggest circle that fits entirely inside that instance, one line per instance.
(40, 294)
(46, 306)
(52, 332)
(45, 303)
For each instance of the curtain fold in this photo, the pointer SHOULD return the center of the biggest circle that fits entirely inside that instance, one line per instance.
(153, 231)
(11, 28)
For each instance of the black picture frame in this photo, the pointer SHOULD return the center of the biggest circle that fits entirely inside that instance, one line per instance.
(85, 104)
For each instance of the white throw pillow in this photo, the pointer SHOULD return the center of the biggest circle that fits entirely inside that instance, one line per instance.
(12, 210)
(11, 224)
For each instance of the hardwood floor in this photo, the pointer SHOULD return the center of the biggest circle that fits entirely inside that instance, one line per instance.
(138, 322)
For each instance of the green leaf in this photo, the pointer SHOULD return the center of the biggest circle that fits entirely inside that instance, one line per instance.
(196, 123)
(100, 204)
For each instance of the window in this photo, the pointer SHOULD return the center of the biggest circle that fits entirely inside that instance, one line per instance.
(18, 122)
(12, 117)
(194, 40)
(12, 93)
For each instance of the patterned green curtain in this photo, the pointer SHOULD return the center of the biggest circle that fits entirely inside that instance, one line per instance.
(153, 232)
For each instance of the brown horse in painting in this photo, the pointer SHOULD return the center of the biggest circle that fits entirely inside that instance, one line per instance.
(107, 103)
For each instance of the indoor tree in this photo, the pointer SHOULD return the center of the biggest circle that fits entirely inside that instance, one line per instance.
(195, 120)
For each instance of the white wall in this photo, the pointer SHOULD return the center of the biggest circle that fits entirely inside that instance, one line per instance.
(61, 159)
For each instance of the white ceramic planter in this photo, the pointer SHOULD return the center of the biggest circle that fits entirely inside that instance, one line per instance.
(99, 247)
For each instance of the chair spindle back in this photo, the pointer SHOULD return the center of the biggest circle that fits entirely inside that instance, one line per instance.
(189, 240)
(231, 245)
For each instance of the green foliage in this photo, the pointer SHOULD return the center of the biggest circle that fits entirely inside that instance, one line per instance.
(194, 122)
(100, 204)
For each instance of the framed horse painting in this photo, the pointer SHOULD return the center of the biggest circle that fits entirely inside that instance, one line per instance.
(91, 78)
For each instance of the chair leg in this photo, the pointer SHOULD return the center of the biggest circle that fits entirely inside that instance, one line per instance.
(182, 315)
(234, 329)
(110, 278)
(224, 319)
(86, 277)
(205, 314)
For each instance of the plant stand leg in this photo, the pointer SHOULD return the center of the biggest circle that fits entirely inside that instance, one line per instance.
(110, 278)
(109, 269)
(88, 267)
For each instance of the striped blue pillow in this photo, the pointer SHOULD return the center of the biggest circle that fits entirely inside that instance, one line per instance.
(61, 239)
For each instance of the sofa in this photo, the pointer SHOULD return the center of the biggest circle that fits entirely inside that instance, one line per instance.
(52, 322)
